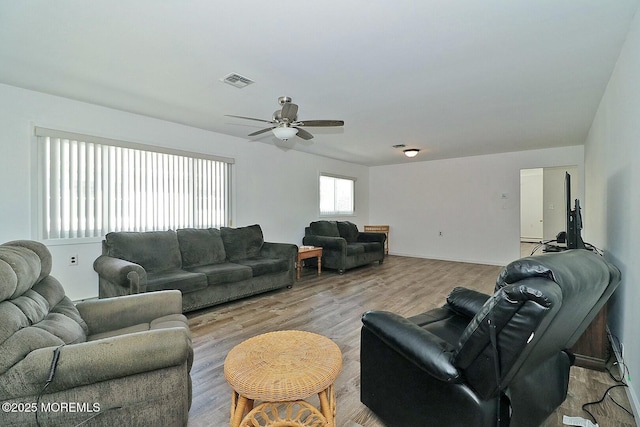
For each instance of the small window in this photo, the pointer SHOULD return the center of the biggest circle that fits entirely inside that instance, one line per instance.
(337, 195)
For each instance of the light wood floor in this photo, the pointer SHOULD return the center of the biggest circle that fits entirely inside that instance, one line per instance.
(331, 305)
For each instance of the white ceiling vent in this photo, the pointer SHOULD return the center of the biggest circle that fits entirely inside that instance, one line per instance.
(237, 80)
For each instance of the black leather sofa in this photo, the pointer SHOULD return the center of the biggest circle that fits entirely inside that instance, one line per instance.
(485, 360)
(343, 246)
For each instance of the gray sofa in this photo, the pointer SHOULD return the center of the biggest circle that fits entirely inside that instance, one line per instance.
(343, 246)
(209, 266)
(123, 361)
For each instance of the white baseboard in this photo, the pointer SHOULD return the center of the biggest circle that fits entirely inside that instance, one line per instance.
(439, 258)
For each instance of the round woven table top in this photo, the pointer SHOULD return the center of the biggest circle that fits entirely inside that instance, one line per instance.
(283, 366)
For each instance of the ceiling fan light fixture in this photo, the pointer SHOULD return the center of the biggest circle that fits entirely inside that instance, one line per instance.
(411, 152)
(284, 132)
(285, 124)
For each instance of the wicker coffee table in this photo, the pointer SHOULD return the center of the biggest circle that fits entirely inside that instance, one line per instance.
(280, 370)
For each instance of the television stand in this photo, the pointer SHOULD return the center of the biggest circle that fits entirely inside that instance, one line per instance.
(592, 348)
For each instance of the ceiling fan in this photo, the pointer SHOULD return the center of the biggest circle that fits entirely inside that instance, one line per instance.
(285, 123)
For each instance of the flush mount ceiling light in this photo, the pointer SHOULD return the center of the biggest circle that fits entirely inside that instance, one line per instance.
(284, 132)
(411, 152)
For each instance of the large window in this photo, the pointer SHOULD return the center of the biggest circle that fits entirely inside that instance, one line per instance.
(336, 195)
(90, 186)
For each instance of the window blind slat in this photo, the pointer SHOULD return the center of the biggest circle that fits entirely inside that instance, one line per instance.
(54, 202)
(89, 189)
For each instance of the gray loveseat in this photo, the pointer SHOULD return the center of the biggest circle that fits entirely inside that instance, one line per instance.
(209, 266)
(343, 246)
(122, 361)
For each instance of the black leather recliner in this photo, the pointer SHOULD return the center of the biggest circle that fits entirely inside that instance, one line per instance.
(485, 360)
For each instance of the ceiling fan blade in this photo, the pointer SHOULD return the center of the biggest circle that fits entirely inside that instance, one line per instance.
(304, 134)
(289, 111)
(250, 118)
(320, 123)
(258, 132)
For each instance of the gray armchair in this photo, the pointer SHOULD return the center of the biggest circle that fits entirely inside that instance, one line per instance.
(118, 361)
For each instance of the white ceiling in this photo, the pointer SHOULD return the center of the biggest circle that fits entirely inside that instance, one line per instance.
(450, 77)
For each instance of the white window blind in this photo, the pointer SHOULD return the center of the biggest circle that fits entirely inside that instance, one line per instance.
(337, 195)
(91, 186)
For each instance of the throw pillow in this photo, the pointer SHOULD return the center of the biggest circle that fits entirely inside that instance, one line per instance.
(242, 242)
(325, 228)
(201, 246)
(349, 231)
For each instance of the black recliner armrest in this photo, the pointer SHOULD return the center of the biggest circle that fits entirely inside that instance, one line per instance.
(466, 302)
(425, 350)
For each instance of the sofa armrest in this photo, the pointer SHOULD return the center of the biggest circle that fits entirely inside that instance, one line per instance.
(120, 312)
(279, 250)
(101, 360)
(331, 243)
(371, 237)
(466, 302)
(120, 272)
(427, 351)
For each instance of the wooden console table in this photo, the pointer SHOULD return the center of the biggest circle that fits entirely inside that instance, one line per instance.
(380, 229)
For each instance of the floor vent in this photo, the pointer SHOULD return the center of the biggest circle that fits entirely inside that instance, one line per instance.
(237, 80)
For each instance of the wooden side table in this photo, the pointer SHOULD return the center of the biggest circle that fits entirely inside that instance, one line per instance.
(306, 252)
(380, 229)
(281, 369)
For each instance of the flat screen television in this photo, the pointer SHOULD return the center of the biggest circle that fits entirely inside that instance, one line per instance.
(574, 218)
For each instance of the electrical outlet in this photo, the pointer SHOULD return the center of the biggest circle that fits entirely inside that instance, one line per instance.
(73, 259)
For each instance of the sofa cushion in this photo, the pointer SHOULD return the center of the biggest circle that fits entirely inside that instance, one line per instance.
(184, 281)
(324, 228)
(260, 266)
(163, 322)
(153, 250)
(348, 230)
(200, 247)
(226, 272)
(242, 242)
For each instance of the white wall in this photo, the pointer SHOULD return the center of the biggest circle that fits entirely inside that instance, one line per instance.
(612, 156)
(473, 201)
(275, 188)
